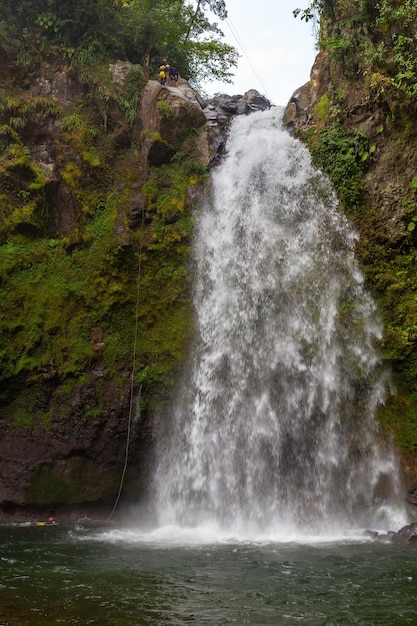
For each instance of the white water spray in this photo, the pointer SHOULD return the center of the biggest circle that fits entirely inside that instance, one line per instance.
(273, 429)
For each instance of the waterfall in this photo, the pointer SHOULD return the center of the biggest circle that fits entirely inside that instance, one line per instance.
(273, 426)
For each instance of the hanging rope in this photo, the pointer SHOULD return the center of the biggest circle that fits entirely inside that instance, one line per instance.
(246, 54)
(132, 379)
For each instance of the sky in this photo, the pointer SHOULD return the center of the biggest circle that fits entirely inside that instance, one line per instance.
(277, 50)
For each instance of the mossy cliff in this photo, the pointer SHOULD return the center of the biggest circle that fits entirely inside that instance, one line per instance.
(357, 117)
(96, 192)
(100, 175)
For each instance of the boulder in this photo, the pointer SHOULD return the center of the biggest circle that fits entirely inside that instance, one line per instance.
(255, 101)
(166, 115)
(302, 102)
(219, 111)
(221, 108)
(406, 535)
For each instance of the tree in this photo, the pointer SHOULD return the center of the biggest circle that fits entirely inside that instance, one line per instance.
(381, 39)
(182, 33)
(316, 7)
(218, 7)
(141, 31)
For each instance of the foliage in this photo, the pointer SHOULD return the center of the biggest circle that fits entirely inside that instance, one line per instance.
(164, 108)
(371, 55)
(55, 295)
(399, 417)
(322, 109)
(173, 30)
(316, 8)
(92, 286)
(207, 60)
(341, 157)
(141, 31)
(20, 205)
(380, 37)
(129, 99)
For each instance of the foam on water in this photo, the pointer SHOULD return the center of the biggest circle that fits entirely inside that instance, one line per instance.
(214, 534)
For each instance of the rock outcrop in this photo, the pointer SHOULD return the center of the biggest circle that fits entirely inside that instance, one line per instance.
(219, 111)
(406, 535)
(298, 112)
(166, 114)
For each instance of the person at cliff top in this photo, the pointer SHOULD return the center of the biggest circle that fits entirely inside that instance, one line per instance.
(173, 73)
(163, 68)
(162, 74)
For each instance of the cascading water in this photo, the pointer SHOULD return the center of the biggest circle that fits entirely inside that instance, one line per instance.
(273, 428)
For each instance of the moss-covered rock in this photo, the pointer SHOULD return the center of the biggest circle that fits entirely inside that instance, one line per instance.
(94, 253)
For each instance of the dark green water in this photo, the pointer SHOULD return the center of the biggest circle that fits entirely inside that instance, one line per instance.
(63, 575)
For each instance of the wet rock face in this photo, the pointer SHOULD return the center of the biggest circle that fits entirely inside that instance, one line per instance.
(69, 460)
(412, 496)
(167, 112)
(220, 110)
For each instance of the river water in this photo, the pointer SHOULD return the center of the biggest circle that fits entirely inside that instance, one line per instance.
(122, 577)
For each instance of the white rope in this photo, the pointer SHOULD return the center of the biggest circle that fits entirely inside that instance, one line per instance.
(132, 380)
(247, 56)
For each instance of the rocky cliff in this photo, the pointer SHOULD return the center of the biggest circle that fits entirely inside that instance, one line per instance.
(99, 176)
(365, 139)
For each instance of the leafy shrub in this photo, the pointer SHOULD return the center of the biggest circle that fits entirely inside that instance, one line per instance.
(339, 156)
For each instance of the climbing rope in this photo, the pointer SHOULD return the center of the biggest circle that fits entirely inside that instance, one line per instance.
(132, 379)
(245, 52)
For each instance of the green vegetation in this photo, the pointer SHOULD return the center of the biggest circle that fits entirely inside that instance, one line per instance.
(164, 108)
(53, 299)
(83, 287)
(74, 296)
(94, 247)
(340, 156)
(371, 56)
(377, 39)
(86, 34)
